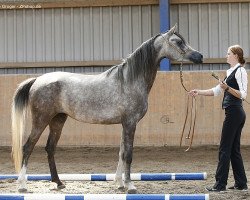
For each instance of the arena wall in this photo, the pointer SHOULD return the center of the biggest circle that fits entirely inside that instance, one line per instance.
(89, 36)
(162, 125)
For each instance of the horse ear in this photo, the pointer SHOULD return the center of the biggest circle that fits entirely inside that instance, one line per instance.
(171, 31)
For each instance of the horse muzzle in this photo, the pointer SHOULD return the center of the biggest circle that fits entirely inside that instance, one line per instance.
(196, 57)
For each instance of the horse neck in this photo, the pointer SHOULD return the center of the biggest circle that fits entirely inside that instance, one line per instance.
(141, 66)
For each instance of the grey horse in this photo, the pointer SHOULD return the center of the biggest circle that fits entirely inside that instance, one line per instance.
(116, 96)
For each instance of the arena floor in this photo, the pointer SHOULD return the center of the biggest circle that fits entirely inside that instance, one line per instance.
(104, 160)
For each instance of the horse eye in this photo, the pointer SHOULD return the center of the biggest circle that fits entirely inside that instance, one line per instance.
(179, 42)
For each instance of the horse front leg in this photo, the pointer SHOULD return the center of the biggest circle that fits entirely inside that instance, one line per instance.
(119, 170)
(128, 141)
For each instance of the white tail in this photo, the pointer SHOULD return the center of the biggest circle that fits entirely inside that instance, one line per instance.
(19, 108)
(18, 126)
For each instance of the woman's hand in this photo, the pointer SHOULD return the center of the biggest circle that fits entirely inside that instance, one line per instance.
(193, 93)
(223, 85)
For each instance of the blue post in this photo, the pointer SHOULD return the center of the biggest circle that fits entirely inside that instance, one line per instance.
(164, 26)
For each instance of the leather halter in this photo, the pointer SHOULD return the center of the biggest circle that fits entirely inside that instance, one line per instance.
(182, 54)
(192, 119)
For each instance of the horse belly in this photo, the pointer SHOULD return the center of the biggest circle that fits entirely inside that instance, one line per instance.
(99, 119)
(97, 116)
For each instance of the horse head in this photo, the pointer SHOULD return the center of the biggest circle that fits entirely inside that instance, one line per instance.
(173, 46)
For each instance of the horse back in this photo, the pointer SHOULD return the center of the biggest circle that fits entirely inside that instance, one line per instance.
(87, 98)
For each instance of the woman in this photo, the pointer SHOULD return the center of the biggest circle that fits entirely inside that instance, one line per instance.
(234, 88)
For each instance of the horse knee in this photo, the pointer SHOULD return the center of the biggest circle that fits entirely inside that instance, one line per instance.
(127, 156)
(50, 151)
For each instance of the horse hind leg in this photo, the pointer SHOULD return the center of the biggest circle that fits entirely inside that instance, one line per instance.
(55, 126)
(36, 131)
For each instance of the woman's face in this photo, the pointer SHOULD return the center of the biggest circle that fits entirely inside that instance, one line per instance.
(231, 58)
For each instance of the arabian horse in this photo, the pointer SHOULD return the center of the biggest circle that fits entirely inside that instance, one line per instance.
(116, 96)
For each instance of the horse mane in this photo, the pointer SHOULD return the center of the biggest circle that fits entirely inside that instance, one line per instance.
(140, 62)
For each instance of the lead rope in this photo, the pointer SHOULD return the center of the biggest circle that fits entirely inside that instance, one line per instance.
(193, 101)
(192, 119)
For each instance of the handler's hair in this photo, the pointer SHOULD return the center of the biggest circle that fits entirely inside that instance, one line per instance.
(237, 50)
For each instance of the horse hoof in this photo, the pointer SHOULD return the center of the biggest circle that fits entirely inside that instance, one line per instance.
(22, 190)
(60, 187)
(132, 191)
(121, 188)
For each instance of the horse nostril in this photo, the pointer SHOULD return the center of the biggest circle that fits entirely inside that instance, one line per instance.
(196, 57)
(199, 57)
